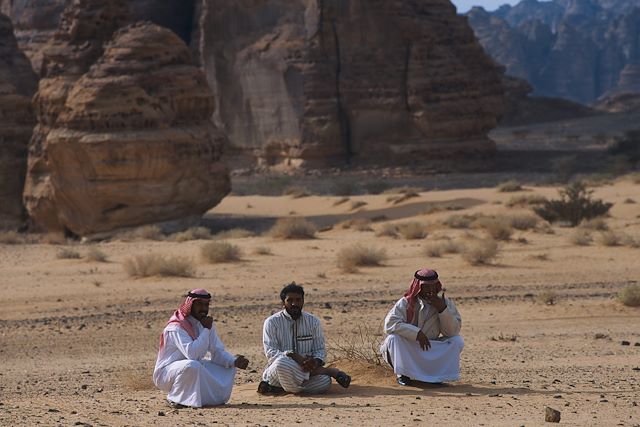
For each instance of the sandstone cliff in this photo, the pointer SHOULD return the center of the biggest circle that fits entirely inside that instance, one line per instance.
(125, 141)
(574, 49)
(389, 81)
(17, 85)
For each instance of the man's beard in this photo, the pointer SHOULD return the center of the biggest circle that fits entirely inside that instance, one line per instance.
(294, 312)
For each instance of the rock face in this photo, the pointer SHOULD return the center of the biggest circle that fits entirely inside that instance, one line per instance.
(308, 81)
(17, 85)
(574, 49)
(124, 136)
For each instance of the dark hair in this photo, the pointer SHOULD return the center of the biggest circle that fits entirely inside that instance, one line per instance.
(291, 288)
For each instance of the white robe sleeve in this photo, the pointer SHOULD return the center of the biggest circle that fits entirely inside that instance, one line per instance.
(272, 346)
(450, 320)
(190, 348)
(219, 355)
(318, 343)
(396, 322)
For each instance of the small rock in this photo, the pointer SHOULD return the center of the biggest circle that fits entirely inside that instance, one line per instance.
(84, 386)
(557, 396)
(161, 413)
(637, 344)
(551, 415)
(53, 410)
(327, 305)
(625, 343)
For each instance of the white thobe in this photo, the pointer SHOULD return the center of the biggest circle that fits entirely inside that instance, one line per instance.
(281, 333)
(441, 362)
(196, 372)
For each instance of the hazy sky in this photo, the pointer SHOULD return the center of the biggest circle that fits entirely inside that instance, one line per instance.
(465, 5)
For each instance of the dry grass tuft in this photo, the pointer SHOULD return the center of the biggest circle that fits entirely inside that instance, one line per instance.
(11, 238)
(66, 253)
(629, 201)
(96, 255)
(341, 200)
(387, 230)
(147, 232)
(356, 204)
(547, 297)
(53, 239)
(358, 255)
(439, 248)
(412, 230)
(581, 237)
(460, 221)
(193, 233)
(358, 224)
(293, 228)
(362, 345)
(598, 224)
(540, 257)
(610, 238)
(498, 228)
(157, 265)
(480, 252)
(630, 295)
(137, 381)
(217, 252)
(234, 233)
(296, 192)
(523, 221)
(505, 338)
(510, 186)
(402, 194)
(262, 250)
(525, 200)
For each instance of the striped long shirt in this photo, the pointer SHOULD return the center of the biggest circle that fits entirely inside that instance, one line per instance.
(304, 336)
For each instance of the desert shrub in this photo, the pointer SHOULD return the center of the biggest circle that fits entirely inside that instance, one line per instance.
(412, 230)
(358, 255)
(630, 295)
(293, 228)
(262, 250)
(296, 192)
(504, 338)
(358, 224)
(564, 168)
(523, 221)
(634, 177)
(525, 200)
(157, 265)
(147, 232)
(402, 194)
(357, 204)
(234, 233)
(375, 187)
(388, 230)
(627, 147)
(66, 253)
(438, 248)
(498, 228)
(53, 238)
(540, 257)
(629, 201)
(547, 297)
(575, 205)
(215, 252)
(11, 238)
(581, 237)
(509, 186)
(598, 224)
(341, 200)
(480, 252)
(610, 238)
(96, 255)
(460, 221)
(362, 345)
(193, 233)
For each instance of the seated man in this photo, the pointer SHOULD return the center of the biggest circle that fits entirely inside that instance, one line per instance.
(192, 365)
(294, 346)
(422, 333)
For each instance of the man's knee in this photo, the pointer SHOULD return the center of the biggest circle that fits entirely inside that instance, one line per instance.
(285, 363)
(458, 341)
(191, 367)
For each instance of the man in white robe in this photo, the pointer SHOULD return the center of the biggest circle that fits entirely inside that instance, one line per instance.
(294, 345)
(192, 365)
(422, 330)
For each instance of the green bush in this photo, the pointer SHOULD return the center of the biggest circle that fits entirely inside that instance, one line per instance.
(575, 205)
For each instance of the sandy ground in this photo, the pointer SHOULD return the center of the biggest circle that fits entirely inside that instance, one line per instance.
(78, 339)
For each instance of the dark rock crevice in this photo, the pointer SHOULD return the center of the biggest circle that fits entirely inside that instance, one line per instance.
(343, 118)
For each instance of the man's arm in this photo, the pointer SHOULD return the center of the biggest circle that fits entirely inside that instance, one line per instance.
(219, 355)
(396, 321)
(450, 320)
(190, 348)
(319, 351)
(270, 342)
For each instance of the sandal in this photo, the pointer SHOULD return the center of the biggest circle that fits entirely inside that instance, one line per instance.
(265, 388)
(343, 379)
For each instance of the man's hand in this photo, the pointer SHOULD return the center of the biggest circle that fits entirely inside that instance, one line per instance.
(437, 302)
(299, 359)
(423, 340)
(207, 322)
(309, 364)
(241, 362)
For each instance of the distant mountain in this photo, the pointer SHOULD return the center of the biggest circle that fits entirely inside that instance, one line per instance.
(575, 49)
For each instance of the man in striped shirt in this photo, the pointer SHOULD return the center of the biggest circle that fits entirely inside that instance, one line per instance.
(294, 346)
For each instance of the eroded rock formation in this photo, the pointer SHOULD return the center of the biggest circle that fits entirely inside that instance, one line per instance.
(125, 141)
(17, 85)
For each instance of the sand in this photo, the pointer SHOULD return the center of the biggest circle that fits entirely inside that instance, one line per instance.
(78, 339)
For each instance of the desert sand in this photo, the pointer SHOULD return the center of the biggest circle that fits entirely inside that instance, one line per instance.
(78, 338)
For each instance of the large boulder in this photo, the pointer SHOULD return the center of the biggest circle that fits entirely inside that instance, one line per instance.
(127, 142)
(17, 85)
(389, 81)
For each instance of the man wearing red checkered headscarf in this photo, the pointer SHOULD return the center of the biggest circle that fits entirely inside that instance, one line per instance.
(192, 366)
(422, 330)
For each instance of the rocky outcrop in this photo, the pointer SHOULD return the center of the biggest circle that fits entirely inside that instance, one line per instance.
(574, 49)
(17, 85)
(307, 81)
(125, 141)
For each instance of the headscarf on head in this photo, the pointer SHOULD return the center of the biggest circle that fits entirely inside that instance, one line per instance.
(424, 275)
(180, 315)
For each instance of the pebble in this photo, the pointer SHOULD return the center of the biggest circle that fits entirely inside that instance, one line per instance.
(551, 415)
(625, 343)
